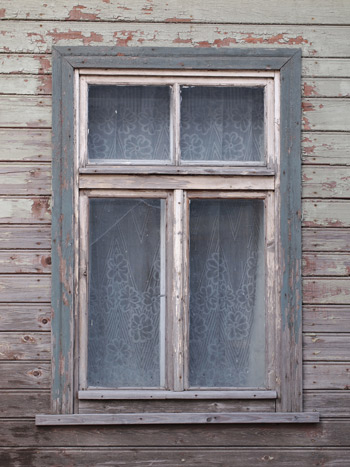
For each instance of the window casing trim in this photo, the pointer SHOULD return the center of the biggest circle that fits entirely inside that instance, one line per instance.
(66, 60)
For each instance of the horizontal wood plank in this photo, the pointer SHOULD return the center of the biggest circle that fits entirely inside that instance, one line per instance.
(326, 213)
(325, 148)
(14, 261)
(260, 12)
(25, 237)
(25, 112)
(326, 67)
(194, 395)
(31, 37)
(326, 347)
(323, 182)
(25, 84)
(33, 210)
(326, 318)
(25, 179)
(333, 240)
(176, 406)
(25, 145)
(24, 375)
(326, 264)
(25, 346)
(326, 291)
(179, 456)
(326, 87)
(24, 433)
(25, 317)
(176, 418)
(25, 288)
(24, 403)
(328, 403)
(326, 376)
(326, 114)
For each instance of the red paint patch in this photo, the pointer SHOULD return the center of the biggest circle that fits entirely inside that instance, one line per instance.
(178, 20)
(297, 40)
(321, 106)
(147, 9)
(2, 12)
(306, 124)
(309, 150)
(76, 13)
(41, 207)
(45, 86)
(106, 1)
(38, 38)
(329, 185)
(123, 42)
(70, 35)
(310, 90)
(307, 107)
(178, 40)
(45, 64)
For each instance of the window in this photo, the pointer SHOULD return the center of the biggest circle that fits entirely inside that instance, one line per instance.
(176, 230)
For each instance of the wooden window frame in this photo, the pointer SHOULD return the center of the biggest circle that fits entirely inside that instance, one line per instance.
(284, 65)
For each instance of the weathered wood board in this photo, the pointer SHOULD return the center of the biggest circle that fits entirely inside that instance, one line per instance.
(24, 375)
(326, 375)
(25, 237)
(25, 346)
(321, 182)
(326, 347)
(25, 145)
(26, 317)
(25, 288)
(326, 213)
(326, 291)
(325, 148)
(328, 403)
(259, 12)
(16, 210)
(326, 264)
(24, 37)
(337, 240)
(20, 262)
(326, 318)
(326, 114)
(25, 179)
(27, 112)
(24, 403)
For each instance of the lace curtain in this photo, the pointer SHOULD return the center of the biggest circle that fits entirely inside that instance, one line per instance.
(227, 314)
(124, 293)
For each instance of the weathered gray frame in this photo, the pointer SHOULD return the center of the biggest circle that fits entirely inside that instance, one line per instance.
(65, 61)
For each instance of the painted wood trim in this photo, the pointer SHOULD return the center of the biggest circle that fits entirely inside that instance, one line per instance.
(176, 418)
(62, 235)
(290, 230)
(125, 395)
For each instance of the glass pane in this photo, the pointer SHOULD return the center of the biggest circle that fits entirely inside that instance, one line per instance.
(222, 124)
(129, 123)
(227, 315)
(126, 296)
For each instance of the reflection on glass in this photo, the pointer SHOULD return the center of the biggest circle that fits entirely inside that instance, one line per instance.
(126, 296)
(222, 124)
(129, 123)
(227, 312)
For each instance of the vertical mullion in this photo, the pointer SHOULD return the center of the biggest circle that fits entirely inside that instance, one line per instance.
(186, 288)
(177, 335)
(175, 115)
(162, 318)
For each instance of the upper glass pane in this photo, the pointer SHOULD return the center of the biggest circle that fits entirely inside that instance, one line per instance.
(227, 293)
(126, 293)
(222, 124)
(128, 123)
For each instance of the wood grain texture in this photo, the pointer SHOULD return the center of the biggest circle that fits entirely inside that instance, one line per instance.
(29, 37)
(25, 84)
(25, 288)
(18, 262)
(24, 403)
(25, 145)
(176, 418)
(325, 148)
(25, 179)
(323, 182)
(326, 291)
(328, 403)
(25, 237)
(27, 112)
(25, 317)
(34, 210)
(25, 346)
(227, 457)
(176, 406)
(326, 213)
(327, 376)
(291, 12)
(326, 67)
(326, 347)
(24, 375)
(326, 114)
(326, 264)
(326, 318)
(337, 240)
(326, 87)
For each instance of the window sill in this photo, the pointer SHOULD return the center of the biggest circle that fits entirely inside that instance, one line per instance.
(176, 418)
(151, 394)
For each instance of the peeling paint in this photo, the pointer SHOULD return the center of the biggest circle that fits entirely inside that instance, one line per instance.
(309, 150)
(178, 40)
(76, 13)
(310, 90)
(45, 84)
(306, 124)
(45, 64)
(123, 42)
(40, 208)
(71, 35)
(2, 12)
(36, 37)
(307, 106)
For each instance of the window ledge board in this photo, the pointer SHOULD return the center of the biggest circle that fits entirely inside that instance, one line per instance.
(151, 394)
(176, 418)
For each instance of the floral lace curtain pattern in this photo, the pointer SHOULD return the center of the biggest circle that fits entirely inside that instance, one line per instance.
(227, 344)
(124, 293)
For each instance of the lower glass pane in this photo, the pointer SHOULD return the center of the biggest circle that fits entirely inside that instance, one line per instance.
(227, 293)
(126, 296)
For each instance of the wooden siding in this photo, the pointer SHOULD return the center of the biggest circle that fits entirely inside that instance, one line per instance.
(27, 34)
